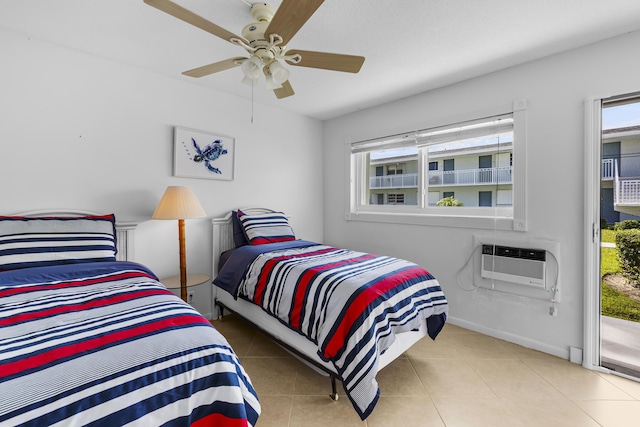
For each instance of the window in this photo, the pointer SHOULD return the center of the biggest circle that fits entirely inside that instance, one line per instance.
(484, 198)
(484, 162)
(395, 169)
(448, 177)
(470, 159)
(485, 174)
(505, 198)
(395, 199)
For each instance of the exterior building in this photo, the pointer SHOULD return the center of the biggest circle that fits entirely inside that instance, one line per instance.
(478, 175)
(394, 180)
(620, 188)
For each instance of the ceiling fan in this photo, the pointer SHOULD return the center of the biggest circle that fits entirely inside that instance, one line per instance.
(266, 43)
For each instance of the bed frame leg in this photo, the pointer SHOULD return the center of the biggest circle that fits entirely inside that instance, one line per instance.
(220, 310)
(334, 390)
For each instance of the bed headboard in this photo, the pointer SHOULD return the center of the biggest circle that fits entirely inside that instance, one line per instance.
(222, 236)
(124, 229)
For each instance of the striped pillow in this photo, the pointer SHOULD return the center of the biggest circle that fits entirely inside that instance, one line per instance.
(42, 241)
(266, 228)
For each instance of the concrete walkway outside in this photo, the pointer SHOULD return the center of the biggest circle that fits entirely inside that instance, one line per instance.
(620, 345)
(619, 342)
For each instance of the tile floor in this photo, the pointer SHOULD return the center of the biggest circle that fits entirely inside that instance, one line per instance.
(462, 379)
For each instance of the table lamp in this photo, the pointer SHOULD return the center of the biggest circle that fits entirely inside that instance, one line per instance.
(180, 203)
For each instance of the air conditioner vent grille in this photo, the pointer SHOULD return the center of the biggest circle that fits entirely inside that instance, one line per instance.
(514, 265)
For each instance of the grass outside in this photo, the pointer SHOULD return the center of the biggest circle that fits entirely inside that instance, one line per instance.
(608, 236)
(614, 303)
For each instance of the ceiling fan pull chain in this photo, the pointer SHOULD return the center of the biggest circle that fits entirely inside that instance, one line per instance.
(252, 86)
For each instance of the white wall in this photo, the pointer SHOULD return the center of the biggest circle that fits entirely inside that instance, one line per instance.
(555, 89)
(82, 132)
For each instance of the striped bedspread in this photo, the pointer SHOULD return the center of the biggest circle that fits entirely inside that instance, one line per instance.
(105, 344)
(349, 303)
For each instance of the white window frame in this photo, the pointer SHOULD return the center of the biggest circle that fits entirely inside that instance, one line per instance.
(513, 218)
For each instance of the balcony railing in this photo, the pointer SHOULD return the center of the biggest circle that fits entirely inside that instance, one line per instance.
(480, 176)
(408, 180)
(607, 169)
(627, 192)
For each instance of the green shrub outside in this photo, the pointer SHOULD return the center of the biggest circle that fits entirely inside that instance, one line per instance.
(614, 303)
(628, 245)
(449, 201)
(627, 224)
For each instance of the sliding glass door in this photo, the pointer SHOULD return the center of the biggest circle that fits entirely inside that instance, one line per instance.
(619, 295)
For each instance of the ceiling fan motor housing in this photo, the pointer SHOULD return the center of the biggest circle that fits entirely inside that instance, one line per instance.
(254, 32)
(262, 48)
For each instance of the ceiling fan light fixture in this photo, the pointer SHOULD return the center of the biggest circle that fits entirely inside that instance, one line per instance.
(277, 73)
(251, 68)
(271, 83)
(266, 42)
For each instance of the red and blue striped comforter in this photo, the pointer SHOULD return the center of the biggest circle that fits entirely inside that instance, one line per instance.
(105, 344)
(351, 304)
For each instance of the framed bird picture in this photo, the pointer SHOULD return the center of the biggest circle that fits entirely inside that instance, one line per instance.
(200, 154)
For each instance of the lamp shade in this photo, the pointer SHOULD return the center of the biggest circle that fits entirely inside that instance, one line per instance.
(251, 68)
(179, 203)
(279, 73)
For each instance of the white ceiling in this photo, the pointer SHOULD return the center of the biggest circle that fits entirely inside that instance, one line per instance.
(410, 46)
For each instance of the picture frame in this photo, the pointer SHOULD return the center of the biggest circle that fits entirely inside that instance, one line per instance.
(201, 154)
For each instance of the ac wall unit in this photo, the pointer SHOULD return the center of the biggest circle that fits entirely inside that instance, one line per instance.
(514, 265)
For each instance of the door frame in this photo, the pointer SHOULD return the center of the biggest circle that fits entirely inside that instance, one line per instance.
(592, 166)
(592, 214)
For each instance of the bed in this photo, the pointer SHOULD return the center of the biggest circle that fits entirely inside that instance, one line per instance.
(346, 314)
(88, 337)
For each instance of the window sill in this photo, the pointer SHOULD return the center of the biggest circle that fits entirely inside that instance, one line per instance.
(457, 221)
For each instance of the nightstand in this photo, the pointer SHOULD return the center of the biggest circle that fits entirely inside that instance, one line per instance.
(199, 292)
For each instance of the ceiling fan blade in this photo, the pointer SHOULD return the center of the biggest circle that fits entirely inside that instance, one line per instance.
(189, 17)
(216, 67)
(328, 61)
(290, 17)
(284, 91)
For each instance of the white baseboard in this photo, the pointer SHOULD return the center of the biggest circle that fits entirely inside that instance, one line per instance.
(506, 336)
